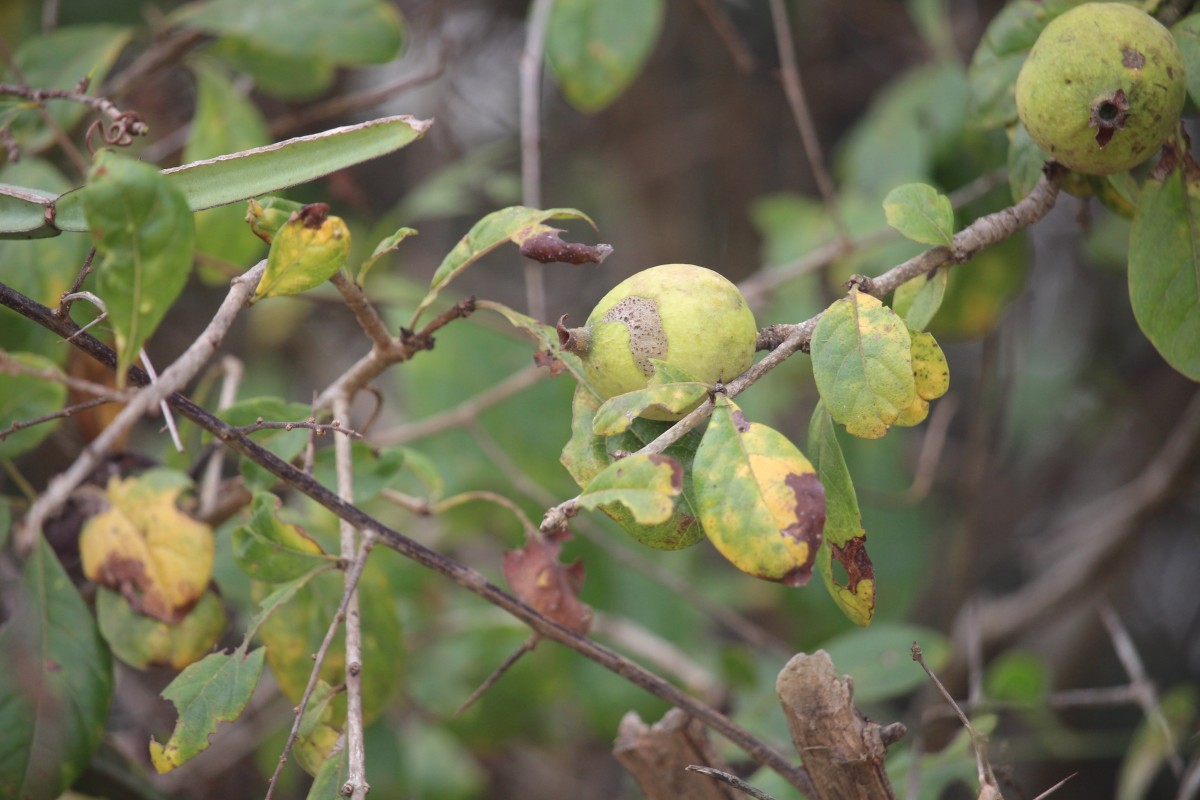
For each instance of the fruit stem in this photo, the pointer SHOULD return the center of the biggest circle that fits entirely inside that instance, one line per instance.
(574, 340)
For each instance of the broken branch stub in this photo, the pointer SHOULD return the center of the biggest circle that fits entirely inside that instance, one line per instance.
(658, 756)
(842, 751)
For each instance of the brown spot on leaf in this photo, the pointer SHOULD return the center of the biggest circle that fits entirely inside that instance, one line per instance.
(740, 422)
(676, 469)
(313, 215)
(547, 359)
(548, 248)
(853, 556)
(545, 583)
(1132, 59)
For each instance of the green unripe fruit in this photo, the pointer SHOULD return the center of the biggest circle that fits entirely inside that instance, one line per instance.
(688, 317)
(1102, 88)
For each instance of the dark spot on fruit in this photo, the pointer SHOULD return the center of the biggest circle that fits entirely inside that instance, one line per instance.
(1132, 59)
(647, 339)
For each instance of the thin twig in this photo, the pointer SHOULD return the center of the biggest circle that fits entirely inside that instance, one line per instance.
(22, 424)
(496, 674)
(364, 312)
(1138, 679)
(464, 412)
(85, 269)
(168, 418)
(172, 380)
(353, 574)
(1055, 787)
(356, 786)
(978, 741)
(318, 428)
(743, 59)
(732, 780)
(531, 139)
(794, 91)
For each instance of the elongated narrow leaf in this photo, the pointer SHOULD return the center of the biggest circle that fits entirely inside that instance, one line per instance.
(145, 237)
(269, 549)
(645, 484)
(921, 213)
(262, 170)
(388, 245)
(862, 364)
(55, 683)
(597, 47)
(844, 538)
(759, 499)
(213, 690)
(23, 212)
(512, 224)
(1164, 262)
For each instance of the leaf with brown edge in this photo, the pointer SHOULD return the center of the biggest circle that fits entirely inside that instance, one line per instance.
(844, 537)
(143, 546)
(548, 585)
(758, 497)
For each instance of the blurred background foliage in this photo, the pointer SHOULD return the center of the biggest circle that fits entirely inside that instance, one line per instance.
(1056, 400)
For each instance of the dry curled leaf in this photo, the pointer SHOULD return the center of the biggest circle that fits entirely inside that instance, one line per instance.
(550, 586)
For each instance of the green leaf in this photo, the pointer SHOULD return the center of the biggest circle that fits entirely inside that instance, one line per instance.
(214, 689)
(919, 212)
(844, 537)
(353, 32)
(1025, 162)
(388, 245)
(1164, 263)
(55, 683)
(645, 484)
(262, 170)
(142, 641)
(26, 397)
(584, 455)
(862, 364)
(1151, 746)
(618, 413)
(57, 60)
(42, 269)
(295, 625)
(144, 236)
(23, 210)
(1019, 676)
(597, 47)
(918, 300)
(879, 659)
(225, 121)
(268, 549)
(997, 60)
(372, 470)
(758, 497)
(330, 779)
(280, 596)
(508, 224)
(546, 337)
(275, 73)
(1187, 36)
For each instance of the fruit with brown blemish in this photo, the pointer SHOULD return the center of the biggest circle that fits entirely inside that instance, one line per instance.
(1102, 88)
(688, 317)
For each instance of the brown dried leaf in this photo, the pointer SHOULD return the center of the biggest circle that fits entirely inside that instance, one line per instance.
(551, 587)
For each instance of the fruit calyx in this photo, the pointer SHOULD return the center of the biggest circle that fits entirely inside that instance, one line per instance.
(1109, 114)
(573, 340)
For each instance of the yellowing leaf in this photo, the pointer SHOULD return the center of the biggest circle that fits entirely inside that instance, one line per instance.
(159, 558)
(305, 252)
(931, 374)
(758, 497)
(142, 641)
(914, 414)
(844, 537)
(862, 363)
